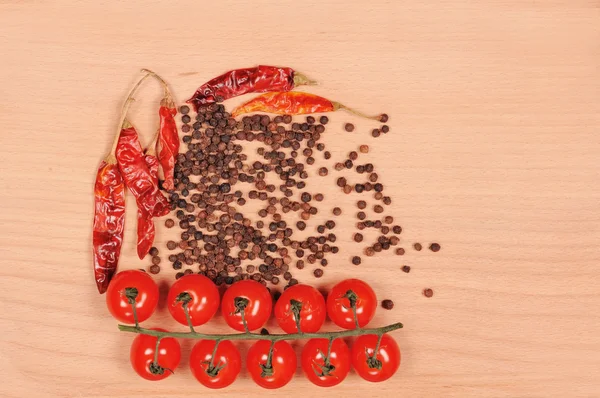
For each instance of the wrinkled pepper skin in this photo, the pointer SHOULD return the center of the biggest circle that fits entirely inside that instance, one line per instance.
(258, 79)
(137, 176)
(288, 103)
(109, 222)
(145, 224)
(168, 144)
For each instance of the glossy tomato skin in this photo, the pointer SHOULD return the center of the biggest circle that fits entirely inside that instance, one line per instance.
(312, 313)
(283, 362)
(142, 351)
(227, 356)
(313, 361)
(388, 354)
(259, 306)
(146, 300)
(204, 299)
(338, 306)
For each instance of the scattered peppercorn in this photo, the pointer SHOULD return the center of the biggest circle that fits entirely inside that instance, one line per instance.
(337, 211)
(155, 269)
(318, 273)
(169, 223)
(356, 260)
(364, 149)
(434, 247)
(417, 247)
(406, 268)
(349, 127)
(428, 293)
(387, 304)
(358, 237)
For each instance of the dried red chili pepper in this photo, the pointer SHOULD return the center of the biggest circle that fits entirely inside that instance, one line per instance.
(295, 103)
(109, 210)
(136, 174)
(168, 142)
(109, 220)
(145, 224)
(259, 79)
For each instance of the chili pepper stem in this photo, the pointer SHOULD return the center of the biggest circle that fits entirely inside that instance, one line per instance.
(111, 158)
(258, 336)
(168, 97)
(302, 80)
(151, 148)
(338, 106)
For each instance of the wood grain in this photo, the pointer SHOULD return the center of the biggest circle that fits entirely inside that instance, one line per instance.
(493, 152)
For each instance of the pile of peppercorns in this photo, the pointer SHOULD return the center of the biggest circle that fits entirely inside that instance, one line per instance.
(219, 240)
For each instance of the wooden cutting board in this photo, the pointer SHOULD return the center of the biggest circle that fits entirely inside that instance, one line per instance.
(493, 152)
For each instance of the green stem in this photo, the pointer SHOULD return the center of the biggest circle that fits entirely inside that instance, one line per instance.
(131, 293)
(258, 336)
(240, 304)
(372, 361)
(185, 298)
(267, 368)
(155, 360)
(187, 316)
(353, 298)
(326, 360)
(214, 353)
(296, 308)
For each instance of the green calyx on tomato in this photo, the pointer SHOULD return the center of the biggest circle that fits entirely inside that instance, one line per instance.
(296, 308)
(184, 298)
(240, 304)
(156, 369)
(131, 293)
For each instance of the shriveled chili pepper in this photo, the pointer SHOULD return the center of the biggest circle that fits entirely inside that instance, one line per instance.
(145, 224)
(168, 142)
(136, 173)
(109, 209)
(109, 221)
(259, 79)
(296, 103)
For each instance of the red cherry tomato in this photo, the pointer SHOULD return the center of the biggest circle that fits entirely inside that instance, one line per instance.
(378, 368)
(145, 302)
(203, 298)
(258, 305)
(142, 352)
(312, 309)
(338, 303)
(225, 367)
(313, 362)
(283, 364)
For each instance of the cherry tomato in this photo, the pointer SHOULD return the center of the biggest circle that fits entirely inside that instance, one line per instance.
(142, 351)
(313, 362)
(258, 305)
(225, 367)
(312, 309)
(338, 303)
(378, 368)
(283, 363)
(145, 302)
(203, 298)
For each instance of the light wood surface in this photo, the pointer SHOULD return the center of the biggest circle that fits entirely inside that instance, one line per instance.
(493, 152)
